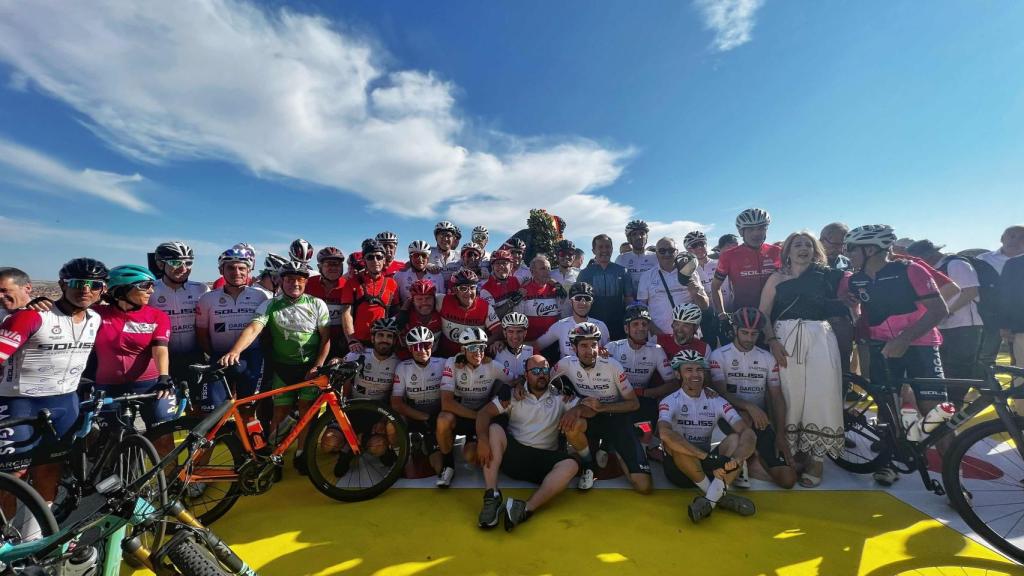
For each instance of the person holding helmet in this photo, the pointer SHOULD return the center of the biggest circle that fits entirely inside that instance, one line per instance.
(443, 253)
(42, 356)
(368, 296)
(177, 296)
(299, 343)
(416, 390)
(602, 421)
(581, 298)
(501, 289)
(300, 251)
(221, 317)
(466, 386)
(902, 307)
(269, 282)
(686, 321)
(329, 286)
(462, 309)
(664, 287)
(419, 257)
(471, 255)
(747, 266)
(389, 240)
(513, 352)
(637, 260)
(686, 421)
(421, 312)
(644, 362)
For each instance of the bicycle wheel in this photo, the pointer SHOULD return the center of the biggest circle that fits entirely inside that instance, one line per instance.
(212, 488)
(192, 558)
(336, 472)
(867, 446)
(983, 474)
(135, 457)
(25, 515)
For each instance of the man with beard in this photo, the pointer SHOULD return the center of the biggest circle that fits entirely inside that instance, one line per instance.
(686, 319)
(513, 352)
(422, 312)
(177, 296)
(367, 297)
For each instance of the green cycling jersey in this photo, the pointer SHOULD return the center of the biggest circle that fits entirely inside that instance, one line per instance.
(294, 327)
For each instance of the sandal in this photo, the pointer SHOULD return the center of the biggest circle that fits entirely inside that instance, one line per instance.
(808, 480)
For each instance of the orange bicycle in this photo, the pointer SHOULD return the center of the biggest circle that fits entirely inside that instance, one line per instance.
(355, 450)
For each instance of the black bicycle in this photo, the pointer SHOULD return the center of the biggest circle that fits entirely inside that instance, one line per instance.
(983, 470)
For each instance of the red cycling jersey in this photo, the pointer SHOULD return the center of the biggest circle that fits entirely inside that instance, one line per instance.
(124, 344)
(496, 291)
(455, 318)
(332, 296)
(371, 298)
(671, 348)
(747, 270)
(540, 304)
(395, 266)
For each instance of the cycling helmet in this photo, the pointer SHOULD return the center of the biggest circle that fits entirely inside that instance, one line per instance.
(419, 335)
(235, 255)
(748, 317)
(444, 226)
(356, 262)
(424, 287)
(329, 253)
(479, 235)
(301, 250)
(372, 246)
(294, 268)
(688, 357)
(128, 275)
(471, 246)
(83, 269)
(694, 238)
(273, 262)
(387, 236)
(464, 277)
(688, 313)
(637, 226)
(473, 335)
(515, 320)
(636, 312)
(880, 235)
(752, 217)
(515, 244)
(174, 251)
(565, 247)
(384, 325)
(250, 249)
(581, 289)
(501, 254)
(584, 331)
(419, 247)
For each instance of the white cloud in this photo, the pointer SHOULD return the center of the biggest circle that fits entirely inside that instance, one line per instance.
(50, 175)
(732, 21)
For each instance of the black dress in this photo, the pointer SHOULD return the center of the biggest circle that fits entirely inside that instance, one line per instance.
(811, 296)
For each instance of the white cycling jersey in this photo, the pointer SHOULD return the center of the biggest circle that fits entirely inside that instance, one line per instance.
(660, 301)
(641, 363)
(180, 306)
(694, 418)
(419, 386)
(405, 278)
(746, 374)
(636, 265)
(473, 387)
(268, 293)
(605, 380)
(225, 317)
(523, 274)
(44, 353)
(376, 378)
(440, 259)
(707, 274)
(514, 363)
(559, 332)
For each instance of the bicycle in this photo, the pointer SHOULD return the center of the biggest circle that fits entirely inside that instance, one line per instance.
(977, 468)
(371, 435)
(109, 522)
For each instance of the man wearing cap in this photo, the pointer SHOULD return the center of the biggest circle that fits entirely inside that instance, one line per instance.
(900, 246)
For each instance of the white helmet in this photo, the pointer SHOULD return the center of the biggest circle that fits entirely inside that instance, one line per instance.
(473, 335)
(419, 247)
(880, 235)
(419, 335)
(688, 313)
(515, 320)
(479, 234)
(752, 217)
(693, 238)
(301, 250)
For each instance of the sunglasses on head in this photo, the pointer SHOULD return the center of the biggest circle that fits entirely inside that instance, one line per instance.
(538, 370)
(583, 298)
(80, 284)
(178, 263)
(143, 286)
(475, 347)
(373, 257)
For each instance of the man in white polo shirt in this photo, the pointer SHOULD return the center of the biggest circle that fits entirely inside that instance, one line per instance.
(660, 290)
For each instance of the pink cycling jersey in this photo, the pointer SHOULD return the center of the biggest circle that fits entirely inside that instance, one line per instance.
(124, 345)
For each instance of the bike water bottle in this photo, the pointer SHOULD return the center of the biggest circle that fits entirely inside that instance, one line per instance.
(910, 417)
(937, 417)
(255, 429)
(82, 562)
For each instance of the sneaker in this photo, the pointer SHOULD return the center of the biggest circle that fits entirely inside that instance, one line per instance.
(515, 513)
(601, 458)
(586, 481)
(699, 509)
(742, 479)
(886, 476)
(343, 464)
(195, 490)
(490, 514)
(299, 462)
(738, 504)
(444, 479)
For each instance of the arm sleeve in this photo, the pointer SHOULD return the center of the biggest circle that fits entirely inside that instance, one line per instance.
(202, 313)
(773, 373)
(163, 327)
(448, 376)
(622, 381)
(15, 331)
(397, 385)
(549, 337)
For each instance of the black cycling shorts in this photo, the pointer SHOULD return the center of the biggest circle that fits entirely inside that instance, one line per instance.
(765, 445)
(918, 362)
(676, 476)
(648, 412)
(527, 463)
(616, 432)
(465, 427)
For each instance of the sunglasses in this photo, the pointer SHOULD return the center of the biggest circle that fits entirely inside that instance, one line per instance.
(538, 370)
(419, 255)
(178, 263)
(667, 250)
(475, 347)
(373, 257)
(143, 286)
(699, 245)
(466, 288)
(421, 347)
(79, 284)
(582, 298)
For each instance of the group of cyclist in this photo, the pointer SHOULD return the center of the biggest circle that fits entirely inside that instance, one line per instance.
(726, 363)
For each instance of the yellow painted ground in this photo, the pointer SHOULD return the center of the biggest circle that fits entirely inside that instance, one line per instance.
(294, 530)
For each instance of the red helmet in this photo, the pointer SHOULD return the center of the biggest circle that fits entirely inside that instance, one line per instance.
(329, 253)
(501, 254)
(424, 287)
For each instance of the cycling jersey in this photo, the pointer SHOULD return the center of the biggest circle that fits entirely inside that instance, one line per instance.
(473, 387)
(370, 299)
(660, 301)
(605, 380)
(420, 386)
(668, 342)
(707, 274)
(331, 295)
(431, 322)
(294, 327)
(522, 274)
(747, 269)
(44, 353)
(514, 362)
(566, 280)
(124, 344)
(641, 363)
(694, 418)
(224, 318)
(891, 301)
(374, 381)
(559, 333)
(405, 278)
(540, 304)
(393, 267)
(180, 306)
(497, 291)
(442, 259)
(748, 375)
(636, 265)
(455, 318)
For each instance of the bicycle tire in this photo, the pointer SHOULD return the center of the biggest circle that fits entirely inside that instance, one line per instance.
(192, 558)
(32, 502)
(314, 452)
(871, 448)
(133, 450)
(235, 456)
(955, 463)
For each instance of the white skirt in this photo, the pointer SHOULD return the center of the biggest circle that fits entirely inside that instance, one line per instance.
(812, 387)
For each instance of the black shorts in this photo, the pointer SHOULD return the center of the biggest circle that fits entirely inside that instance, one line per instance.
(465, 427)
(423, 427)
(648, 412)
(676, 476)
(529, 464)
(917, 362)
(616, 432)
(765, 445)
(363, 422)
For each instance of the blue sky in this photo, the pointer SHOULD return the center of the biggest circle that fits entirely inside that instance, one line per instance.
(122, 125)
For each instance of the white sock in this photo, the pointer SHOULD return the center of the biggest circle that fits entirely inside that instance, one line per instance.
(298, 453)
(715, 491)
(704, 484)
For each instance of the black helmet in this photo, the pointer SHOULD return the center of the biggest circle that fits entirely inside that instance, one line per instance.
(565, 247)
(84, 269)
(636, 312)
(294, 268)
(581, 289)
(174, 251)
(372, 246)
(516, 244)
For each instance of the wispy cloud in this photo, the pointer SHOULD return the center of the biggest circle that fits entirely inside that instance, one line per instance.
(732, 21)
(50, 175)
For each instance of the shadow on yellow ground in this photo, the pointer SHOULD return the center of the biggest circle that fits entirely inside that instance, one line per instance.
(294, 530)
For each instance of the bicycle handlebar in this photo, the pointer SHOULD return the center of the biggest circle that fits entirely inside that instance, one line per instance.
(41, 421)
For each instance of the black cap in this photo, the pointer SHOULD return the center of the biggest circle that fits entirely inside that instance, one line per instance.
(923, 248)
(727, 239)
